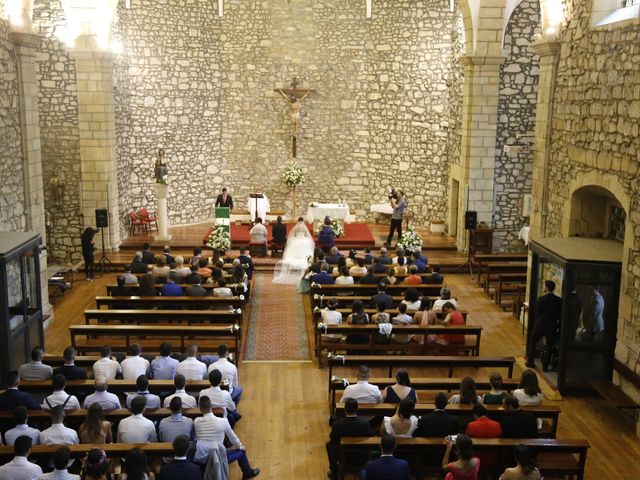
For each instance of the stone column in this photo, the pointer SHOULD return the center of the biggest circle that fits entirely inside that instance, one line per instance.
(162, 217)
(94, 76)
(479, 123)
(26, 44)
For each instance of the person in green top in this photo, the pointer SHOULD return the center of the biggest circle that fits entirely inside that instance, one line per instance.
(497, 394)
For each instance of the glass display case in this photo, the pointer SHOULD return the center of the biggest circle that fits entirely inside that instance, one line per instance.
(587, 276)
(21, 319)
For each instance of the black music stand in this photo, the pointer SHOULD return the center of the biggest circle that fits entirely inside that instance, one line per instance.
(257, 196)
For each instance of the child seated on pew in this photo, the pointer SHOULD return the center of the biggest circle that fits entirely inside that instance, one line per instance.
(497, 394)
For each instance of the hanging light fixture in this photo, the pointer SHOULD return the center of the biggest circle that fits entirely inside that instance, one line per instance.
(369, 6)
(221, 8)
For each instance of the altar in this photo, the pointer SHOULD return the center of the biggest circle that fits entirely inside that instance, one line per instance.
(335, 211)
(261, 204)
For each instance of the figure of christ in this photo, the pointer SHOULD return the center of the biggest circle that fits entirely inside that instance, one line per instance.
(295, 109)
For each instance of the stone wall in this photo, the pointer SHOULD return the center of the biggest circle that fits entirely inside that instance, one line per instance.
(386, 109)
(595, 134)
(516, 115)
(60, 143)
(12, 202)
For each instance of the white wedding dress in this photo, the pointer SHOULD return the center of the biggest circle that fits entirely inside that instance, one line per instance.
(295, 258)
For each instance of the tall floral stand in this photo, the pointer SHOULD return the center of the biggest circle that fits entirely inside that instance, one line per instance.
(162, 215)
(293, 204)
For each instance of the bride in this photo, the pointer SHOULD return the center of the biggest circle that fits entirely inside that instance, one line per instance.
(295, 258)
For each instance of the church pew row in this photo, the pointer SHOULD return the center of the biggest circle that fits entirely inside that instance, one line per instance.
(87, 361)
(115, 386)
(113, 450)
(470, 347)
(359, 289)
(490, 272)
(549, 413)
(207, 286)
(481, 260)
(565, 457)
(158, 301)
(507, 288)
(423, 384)
(146, 317)
(120, 337)
(391, 311)
(321, 301)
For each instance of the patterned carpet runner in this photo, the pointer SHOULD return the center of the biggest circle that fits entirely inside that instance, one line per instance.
(277, 327)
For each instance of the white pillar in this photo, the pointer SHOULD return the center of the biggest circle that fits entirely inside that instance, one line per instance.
(162, 216)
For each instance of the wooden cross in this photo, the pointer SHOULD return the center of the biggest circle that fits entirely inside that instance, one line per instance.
(294, 95)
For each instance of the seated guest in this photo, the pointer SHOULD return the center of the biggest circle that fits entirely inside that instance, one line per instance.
(387, 466)
(417, 261)
(466, 467)
(358, 317)
(369, 278)
(528, 391)
(134, 365)
(20, 418)
(229, 372)
(330, 316)
(219, 398)
(121, 290)
(171, 288)
(402, 318)
(400, 390)
(368, 258)
(181, 269)
(106, 400)
(362, 391)
(384, 258)
(180, 467)
(138, 266)
(381, 316)
(59, 396)
(338, 268)
(516, 423)
(106, 366)
(12, 397)
(467, 394)
(192, 368)
(166, 253)
(318, 261)
(399, 254)
(400, 266)
(136, 428)
(69, 370)
(191, 278)
(142, 383)
(525, 468)
(95, 428)
(452, 318)
(239, 279)
(425, 317)
(382, 296)
(217, 269)
(358, 268)
(185, 399)
(96, 465)
(136, 467)
(175, 425)
(421, 257)
(323, 278)
(345, 277)
(348, 426)
(439, 423)
(497, 394)
(57, 433)
(211, 430)
(279, 232)
(246, 261)
(379, 267)
(222, 290)
(203, 270)
(482, 426)
(412, 299)
(445, 296)
(434, 278)
(148, 256)
(390, 278)
(196, 289)
(35, 369)
(197, 255)
(403, 422)
(258, 233)
(326, 236)
(20, 468)
(164, 367)
(147, 286)
(334, 256)
(413, 278)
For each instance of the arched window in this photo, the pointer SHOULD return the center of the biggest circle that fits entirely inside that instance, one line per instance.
(606, 12)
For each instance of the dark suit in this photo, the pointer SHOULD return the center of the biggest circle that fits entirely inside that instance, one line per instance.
(246, 260)
(182, 469)
(71, 372)
(385, 259)
(433, 279)
(139, 267)
(169, 258)
(121, 292)
(386, 468)
(345, 427)
(382, 297)
(369, 279)
(437, 424)
(333, 259)
(148, 257)
(519, 424)
(547, 310)
(13, 398)
(191, 278)
(380, 268)
(224, 202)
(196, 291)
(279, 233)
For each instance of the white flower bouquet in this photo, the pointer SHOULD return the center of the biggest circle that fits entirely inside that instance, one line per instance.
(338, 228)
(410, 240)
(219, 239)
(293, 175)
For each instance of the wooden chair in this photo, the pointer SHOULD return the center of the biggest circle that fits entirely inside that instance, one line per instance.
(146, 217)
(277, 249)
(258, 249)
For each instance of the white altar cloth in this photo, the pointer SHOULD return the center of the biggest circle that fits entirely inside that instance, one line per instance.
(523, 235)
(383, 208)
(263, 207)
(336, 211)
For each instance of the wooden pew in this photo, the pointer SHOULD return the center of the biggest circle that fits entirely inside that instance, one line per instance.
(555, 457)
(545, 412)
(120, 337)
(484, 258)
(158, 286)
(393, 312)
(424, 289)
(470, 347)
(117, 450)
(115, 386)
(185, 302)
(508, 285)
(146, 317)
(346, 300)
(493, 269)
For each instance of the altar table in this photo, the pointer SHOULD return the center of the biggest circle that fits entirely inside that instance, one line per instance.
(336, 211)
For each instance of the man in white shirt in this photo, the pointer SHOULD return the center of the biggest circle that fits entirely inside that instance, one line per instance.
(35, 369)
(134, 365)
(57, 433)
(60, 459)
(172, 427)
(362, 391)
(187, 400)
(229, 372)
(164, 367)
(153, 401)
(20, 468)
(136, 428)
(191, 367)
(220, 398)
(107, 366)
(258, 233)
(59, 396)
(129, 278)
(108, 401)
(222, 290)
(20, 417)
(211, 430)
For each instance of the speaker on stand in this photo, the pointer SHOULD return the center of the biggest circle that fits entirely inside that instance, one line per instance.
(102, 222)
(470, 223)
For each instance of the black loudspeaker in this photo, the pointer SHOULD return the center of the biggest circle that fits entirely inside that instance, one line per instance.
(102, 218)
(470, 219)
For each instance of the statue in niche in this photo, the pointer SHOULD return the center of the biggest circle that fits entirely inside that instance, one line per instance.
(160, 170)
(57, 189)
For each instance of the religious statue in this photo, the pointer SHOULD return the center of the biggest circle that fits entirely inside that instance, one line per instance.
(160, 170)
(57, 189)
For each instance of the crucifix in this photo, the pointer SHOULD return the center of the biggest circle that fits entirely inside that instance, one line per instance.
(294, 96)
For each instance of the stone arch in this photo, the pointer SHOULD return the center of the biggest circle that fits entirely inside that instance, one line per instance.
(467, 19)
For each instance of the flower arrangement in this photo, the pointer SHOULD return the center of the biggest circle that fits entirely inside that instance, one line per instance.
(410, 240)
(293, 175)
(163, 180)
(338, 228)
(219, 238)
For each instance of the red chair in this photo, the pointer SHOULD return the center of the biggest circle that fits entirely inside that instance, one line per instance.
(135, 222)
(147, 218)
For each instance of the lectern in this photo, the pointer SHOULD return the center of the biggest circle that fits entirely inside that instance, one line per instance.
(20, 299)
(256, 197)
(223, 217)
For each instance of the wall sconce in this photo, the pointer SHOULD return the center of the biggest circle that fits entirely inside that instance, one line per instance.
(369, 7)
(221, 8)
(127, 4)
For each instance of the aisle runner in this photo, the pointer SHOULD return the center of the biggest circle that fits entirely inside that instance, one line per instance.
(277, 328)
